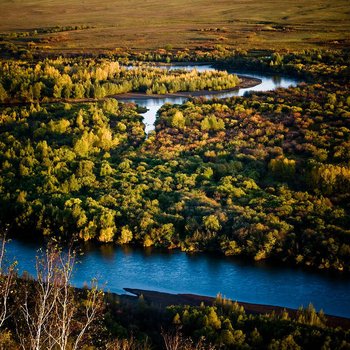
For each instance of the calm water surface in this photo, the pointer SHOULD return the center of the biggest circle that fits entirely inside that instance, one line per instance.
(269, 82)
(204, 274)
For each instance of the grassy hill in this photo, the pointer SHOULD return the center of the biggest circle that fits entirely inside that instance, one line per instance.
(153, 24)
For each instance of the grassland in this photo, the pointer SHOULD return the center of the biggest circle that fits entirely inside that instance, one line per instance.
(152, 24)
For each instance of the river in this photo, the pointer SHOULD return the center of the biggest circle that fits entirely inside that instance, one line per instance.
(204, 274)
(269, 82)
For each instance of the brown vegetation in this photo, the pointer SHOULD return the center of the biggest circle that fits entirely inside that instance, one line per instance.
(177, 24)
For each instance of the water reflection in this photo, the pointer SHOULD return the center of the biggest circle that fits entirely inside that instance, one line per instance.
(206, 274)
(108, 252)
(269, 82)
(277, 80)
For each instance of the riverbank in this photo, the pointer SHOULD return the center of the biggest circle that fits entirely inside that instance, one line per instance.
(162, 300)
(257, 282)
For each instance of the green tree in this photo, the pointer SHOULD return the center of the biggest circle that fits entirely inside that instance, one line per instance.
(125, 235)
(178, 120)
(211, 223)
(3, 94)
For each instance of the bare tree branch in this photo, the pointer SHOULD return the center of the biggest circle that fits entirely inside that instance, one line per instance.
(50, 310)
(7, 279)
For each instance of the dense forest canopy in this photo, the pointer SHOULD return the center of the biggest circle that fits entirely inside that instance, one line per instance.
(264, 176)
(81, 79)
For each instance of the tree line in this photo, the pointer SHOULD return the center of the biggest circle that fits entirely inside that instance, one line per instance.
(90, 78)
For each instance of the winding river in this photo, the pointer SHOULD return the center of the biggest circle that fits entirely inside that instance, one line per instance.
(269, 82)
(204, 274)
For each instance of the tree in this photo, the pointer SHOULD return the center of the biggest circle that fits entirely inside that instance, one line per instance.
(178, 120)
(82, 145)
(211, 223)
(288, 343)
(7, 280)
(79, 91)
(205, 124)
(174, 340)
(3, 94)
(37, 90)
(107, 224)
(125, 236)
(213, 319)
(282, 167)
(106, 169)
(51, 315)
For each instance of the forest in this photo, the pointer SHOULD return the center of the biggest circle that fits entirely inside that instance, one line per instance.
(259, 181)
(265, 176)
(77, 79)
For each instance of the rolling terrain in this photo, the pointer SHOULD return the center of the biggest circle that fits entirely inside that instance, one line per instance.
(91, 25)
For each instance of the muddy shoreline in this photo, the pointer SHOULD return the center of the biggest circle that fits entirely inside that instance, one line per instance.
(162, 300)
